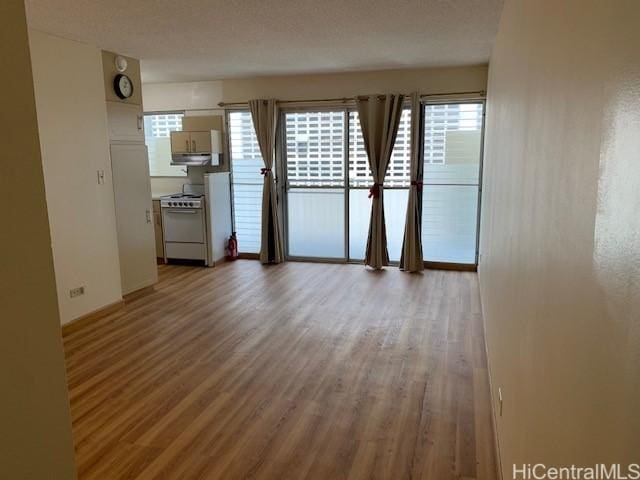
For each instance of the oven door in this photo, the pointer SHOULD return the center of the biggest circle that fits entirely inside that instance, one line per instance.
(183, 225)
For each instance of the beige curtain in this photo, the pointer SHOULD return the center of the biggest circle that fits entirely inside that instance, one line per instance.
(379, 119)
(411, 258)
(265, 120)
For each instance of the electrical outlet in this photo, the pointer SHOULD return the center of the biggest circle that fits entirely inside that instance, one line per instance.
(76, 292)
(499, 401)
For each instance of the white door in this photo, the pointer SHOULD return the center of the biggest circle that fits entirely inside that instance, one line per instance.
(134, 216)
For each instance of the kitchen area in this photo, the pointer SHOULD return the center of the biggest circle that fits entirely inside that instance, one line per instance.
(193, 222)
(187, 217)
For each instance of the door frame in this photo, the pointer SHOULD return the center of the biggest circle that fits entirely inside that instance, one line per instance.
(281, 159)
(284, 187)
(483, 102)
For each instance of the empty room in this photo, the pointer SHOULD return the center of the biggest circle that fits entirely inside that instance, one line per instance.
(320, 240)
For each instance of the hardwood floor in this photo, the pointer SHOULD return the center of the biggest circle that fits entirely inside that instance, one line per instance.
(292, 371)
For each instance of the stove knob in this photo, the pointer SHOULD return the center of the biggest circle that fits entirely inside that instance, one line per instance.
(191, 204)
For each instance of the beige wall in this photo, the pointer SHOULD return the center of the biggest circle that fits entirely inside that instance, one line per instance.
(194, 95)
(560, 241)
(303, 87)
(206, 95)
(181, 96)
(35, 438)
(133, 72)
(71, 108)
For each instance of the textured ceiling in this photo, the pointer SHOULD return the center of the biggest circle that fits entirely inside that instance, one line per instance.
(212, 39)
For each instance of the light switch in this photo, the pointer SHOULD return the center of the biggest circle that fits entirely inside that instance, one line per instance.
(100, 177)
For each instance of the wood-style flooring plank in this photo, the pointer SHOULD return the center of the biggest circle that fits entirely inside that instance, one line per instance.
(297, 370)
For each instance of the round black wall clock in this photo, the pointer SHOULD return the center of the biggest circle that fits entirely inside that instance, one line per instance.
(123, 86)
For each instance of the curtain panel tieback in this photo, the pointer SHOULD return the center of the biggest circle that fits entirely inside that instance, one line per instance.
(417, 184)
(264, 171)
(374, 191)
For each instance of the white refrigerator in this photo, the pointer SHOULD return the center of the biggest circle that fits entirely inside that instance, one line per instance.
(217, 192)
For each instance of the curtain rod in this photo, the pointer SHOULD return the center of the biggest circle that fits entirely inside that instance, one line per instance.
(480, 93)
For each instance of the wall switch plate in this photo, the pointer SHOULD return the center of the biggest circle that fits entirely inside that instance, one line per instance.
(76, 292)
(100, 177)
(499, 401)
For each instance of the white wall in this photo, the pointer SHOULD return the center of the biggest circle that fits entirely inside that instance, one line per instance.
(70, 100)
(35, 435)
(560, 234)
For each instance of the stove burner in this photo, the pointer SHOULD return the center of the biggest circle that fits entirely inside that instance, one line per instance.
(184, 195)
(179, 200)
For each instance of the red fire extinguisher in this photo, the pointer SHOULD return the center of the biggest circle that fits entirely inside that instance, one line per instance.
(232, 247)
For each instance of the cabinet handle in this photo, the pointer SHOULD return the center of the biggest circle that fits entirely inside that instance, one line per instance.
(187, 145)
(182, 211)
(193, 143)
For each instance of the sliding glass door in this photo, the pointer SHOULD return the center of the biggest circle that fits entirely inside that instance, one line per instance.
(452, 153)
(326, 208)
(246, 162)
(327, 216)
(315, 169)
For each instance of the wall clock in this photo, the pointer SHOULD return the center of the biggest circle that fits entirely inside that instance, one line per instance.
(123, 86)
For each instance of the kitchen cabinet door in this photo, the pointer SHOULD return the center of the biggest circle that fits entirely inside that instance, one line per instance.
(126, 122)
(134, 216)
(201, 142)
(180, 142)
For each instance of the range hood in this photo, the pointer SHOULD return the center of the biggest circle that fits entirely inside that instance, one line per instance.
(194, 159)
(196, 148)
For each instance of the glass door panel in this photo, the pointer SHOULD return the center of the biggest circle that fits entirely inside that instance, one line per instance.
(452, 149)
(449, 217)
(359, 213)
(315, 167)
(316, 222)
(395, 214)
(246, 162)
(396, 192)
(395, 210)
